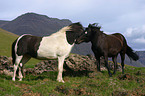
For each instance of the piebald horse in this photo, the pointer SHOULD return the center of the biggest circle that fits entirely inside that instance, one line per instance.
(56, 46)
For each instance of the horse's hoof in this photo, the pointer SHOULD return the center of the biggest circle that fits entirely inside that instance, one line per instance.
(61, 81)
(110, 75)
(13, 79)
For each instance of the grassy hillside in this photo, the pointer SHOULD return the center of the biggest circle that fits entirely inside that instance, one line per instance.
(6, 40)
(94, 84)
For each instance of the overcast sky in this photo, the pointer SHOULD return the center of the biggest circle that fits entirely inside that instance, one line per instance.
(124, 16)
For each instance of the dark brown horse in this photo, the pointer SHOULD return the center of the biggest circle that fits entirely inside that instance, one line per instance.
(107, 46)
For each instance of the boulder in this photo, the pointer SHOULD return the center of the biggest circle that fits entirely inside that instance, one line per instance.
(74, 63)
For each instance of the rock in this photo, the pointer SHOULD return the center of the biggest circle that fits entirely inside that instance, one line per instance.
(80, 63)
(6, 66)
(75, 64)
(6, 63)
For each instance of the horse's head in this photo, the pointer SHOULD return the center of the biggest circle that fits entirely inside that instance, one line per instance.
(74, 33)
(89, 32)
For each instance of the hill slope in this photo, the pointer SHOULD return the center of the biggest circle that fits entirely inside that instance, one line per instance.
(2, 22)
(6, 40)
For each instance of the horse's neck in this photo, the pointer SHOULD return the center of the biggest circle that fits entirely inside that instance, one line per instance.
(98, 34)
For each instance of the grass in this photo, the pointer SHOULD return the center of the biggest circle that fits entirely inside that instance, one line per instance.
(100, 84)
(6, 40)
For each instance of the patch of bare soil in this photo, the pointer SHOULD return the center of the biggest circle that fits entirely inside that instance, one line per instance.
(72, 91)
(125, 77)
(26, 91)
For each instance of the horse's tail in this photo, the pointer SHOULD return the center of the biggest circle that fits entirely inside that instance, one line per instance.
(129, 51)
(13, 52)
(131, 54)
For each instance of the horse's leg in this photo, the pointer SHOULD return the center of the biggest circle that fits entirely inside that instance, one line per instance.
(24, 60)
(115, 64)
(106, 64)
(60, 68)
(98, 63)
(16, 65)
(122, 54)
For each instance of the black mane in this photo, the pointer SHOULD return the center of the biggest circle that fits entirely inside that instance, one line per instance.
(76, 29)
(96, 28)
(95, 25)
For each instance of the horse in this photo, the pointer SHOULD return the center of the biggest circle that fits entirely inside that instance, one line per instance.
(56, 46)
(107, 46)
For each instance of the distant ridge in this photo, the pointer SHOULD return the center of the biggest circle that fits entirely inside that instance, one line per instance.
(35, 24)
(3, 22)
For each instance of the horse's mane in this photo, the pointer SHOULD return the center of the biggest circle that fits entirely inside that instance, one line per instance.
(95, 25)
(62, 30)
(74, 27)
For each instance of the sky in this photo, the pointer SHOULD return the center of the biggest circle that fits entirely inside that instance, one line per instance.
(123, 16)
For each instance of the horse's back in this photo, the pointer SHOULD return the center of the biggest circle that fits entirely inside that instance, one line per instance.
(113, 45)
(27, 44)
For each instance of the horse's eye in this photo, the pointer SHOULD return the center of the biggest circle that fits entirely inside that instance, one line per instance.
(86, 32)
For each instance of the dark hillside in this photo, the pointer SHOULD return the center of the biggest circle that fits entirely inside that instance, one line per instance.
(35, 24)
(2, 23)
(141, 57)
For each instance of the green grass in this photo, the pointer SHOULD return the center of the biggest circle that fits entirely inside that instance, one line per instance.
(6, 40)
(100, 84)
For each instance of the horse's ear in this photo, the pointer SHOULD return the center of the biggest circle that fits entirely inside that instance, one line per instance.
(90, 25)
(95, 24)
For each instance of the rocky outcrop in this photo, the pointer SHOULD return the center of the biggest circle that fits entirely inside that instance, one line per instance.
(73, 64)
(6, 66)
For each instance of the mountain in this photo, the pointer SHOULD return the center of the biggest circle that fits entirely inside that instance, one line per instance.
(2, 23)
(141, 57)
(35, 24)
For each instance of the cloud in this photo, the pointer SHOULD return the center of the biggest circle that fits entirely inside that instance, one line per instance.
(139, 40)
(136, 37)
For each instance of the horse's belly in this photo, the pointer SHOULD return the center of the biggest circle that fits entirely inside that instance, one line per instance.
(47, 58)
(46, 54)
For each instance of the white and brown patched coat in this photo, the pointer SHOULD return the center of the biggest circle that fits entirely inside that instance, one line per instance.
(56, 46)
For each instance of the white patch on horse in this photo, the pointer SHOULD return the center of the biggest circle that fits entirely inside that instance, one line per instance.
(54, 45)
(18, 59)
